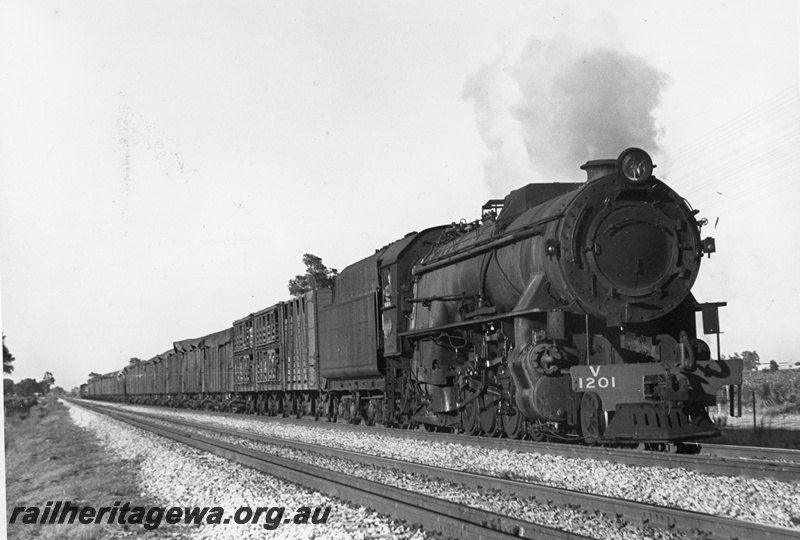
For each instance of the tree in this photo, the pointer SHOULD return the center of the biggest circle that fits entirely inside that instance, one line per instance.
(27, 387)
(751, 360)
(46, 382)
(317, 276)
(8, 387)
(773, 365)
(8, 358)
(134, 361)
(94, 376)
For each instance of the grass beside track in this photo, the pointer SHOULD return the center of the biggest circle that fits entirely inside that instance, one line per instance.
(49, 458)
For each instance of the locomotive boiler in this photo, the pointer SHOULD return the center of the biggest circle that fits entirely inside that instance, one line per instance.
(569, 314)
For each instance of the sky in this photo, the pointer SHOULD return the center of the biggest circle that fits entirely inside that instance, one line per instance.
(165, 165)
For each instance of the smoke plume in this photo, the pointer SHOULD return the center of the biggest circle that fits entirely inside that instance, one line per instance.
(547, 107)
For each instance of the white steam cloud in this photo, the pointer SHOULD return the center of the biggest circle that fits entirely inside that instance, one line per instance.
(545, 108)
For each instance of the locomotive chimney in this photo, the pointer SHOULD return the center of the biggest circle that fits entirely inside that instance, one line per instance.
(599, 168)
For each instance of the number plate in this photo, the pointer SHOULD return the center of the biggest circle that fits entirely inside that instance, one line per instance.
(614, 383)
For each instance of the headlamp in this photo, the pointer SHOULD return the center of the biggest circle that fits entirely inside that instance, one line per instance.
(635, 164)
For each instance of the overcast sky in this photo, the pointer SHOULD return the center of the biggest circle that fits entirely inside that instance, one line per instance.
(165, 164)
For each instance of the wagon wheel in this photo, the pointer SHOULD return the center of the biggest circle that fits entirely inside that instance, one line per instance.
(273, 405)
(488, 416)
(261, 405)
(592, 419)
(355, 412)
(369, 416)
(251, 406)
(286, 406)
(514, 424)
(331, 409)
(469, 418)
(308, 405)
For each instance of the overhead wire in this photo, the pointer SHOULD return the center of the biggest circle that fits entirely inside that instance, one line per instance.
(777, 149)
(775, 105)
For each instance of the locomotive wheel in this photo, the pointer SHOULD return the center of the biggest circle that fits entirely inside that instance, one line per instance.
(469, 418)
(514, 425)
(488, 417)
(592, 418)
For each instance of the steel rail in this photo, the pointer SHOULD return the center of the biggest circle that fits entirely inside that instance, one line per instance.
(751, 462)
(667, 518)
(754, 452)
(433, 514)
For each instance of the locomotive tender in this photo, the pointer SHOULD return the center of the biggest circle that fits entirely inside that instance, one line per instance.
(564, 312)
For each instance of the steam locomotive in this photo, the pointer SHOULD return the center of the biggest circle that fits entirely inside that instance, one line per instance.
(565, 312)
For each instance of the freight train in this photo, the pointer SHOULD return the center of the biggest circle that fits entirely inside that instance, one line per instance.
(564, 312)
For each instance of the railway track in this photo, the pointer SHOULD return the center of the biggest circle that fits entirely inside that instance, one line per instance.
(447, 518)
(752, 462)
(431, 513)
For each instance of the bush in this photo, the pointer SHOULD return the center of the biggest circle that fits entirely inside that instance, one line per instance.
(775, 389)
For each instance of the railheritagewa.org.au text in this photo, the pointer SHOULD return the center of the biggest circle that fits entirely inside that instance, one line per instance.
(150, 518)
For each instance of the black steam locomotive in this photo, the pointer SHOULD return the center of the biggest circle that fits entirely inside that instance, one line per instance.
(564, 312)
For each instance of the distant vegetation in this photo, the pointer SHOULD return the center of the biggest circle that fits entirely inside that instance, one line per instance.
(28, 387)
(777, 390)
(8, 358)
(776, 419)
(317, 276)
(750, 359)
